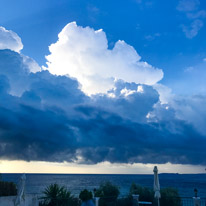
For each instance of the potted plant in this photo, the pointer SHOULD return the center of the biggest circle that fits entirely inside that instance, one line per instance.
(86, 198)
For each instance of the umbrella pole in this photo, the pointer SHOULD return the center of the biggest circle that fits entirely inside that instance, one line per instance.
(158, 200)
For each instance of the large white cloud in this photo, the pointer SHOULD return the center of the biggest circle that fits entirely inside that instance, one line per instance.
(10, 40)
(13, 64)
(83, 53)
(48, 118)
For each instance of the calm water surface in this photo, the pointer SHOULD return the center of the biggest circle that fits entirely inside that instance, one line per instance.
(185, 183)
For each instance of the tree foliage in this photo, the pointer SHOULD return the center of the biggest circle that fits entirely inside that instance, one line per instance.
(85, 195)
(145, 193)
(55, 195)
(169, 196)
(108, 194)
(7, 189)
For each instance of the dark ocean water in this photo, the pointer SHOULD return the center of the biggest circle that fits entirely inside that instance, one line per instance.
(185, 183)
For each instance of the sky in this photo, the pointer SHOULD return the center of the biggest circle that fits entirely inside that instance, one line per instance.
(102, 86)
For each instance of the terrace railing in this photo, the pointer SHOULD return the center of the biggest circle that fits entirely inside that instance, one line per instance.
(128, 201)
(125, 201)
(188, 201)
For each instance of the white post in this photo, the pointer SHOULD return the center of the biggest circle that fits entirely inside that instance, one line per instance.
(135, 200)
(96, 201)
(196, 201)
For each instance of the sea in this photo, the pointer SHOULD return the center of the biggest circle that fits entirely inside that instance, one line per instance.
(184, 183)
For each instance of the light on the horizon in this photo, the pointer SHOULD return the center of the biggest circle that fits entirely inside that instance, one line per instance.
(101, 168)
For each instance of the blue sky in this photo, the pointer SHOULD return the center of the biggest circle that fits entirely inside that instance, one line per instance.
(168, 35)
(153, 28)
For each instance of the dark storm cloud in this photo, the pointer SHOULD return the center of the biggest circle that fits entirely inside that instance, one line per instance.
(116, 140)
(52, 120)
(12, 66)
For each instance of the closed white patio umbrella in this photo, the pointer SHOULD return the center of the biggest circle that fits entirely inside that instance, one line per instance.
(20, 195)
(156, 185)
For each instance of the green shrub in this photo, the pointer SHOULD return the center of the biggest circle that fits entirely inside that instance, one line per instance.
(145, 194)
(85, 195)
(126, 201)
(7, 189)
(54, 195)
(108, 194)
(169, 196)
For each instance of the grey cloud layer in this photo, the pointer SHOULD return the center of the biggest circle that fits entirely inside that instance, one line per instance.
(49, 118)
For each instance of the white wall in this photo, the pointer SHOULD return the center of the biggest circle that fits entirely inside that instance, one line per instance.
(30, 200)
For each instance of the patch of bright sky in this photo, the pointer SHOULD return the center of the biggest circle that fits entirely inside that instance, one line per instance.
(101, 168)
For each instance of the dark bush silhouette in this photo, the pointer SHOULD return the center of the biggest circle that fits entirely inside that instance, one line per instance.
(85, 195)
(169, 196)
(126, 201)
(55, 195)
(108, 194)
(7, 189)
(145, 194)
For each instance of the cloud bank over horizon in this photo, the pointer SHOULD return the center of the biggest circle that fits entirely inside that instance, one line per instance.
(47, 117)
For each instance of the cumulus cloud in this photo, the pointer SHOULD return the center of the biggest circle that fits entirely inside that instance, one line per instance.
(190, 109)
(165, 93)
(10, 40)
(16, 67)
(129, 100)
(83, 53)
(53, 120)
(31, 64)
(46, 117)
